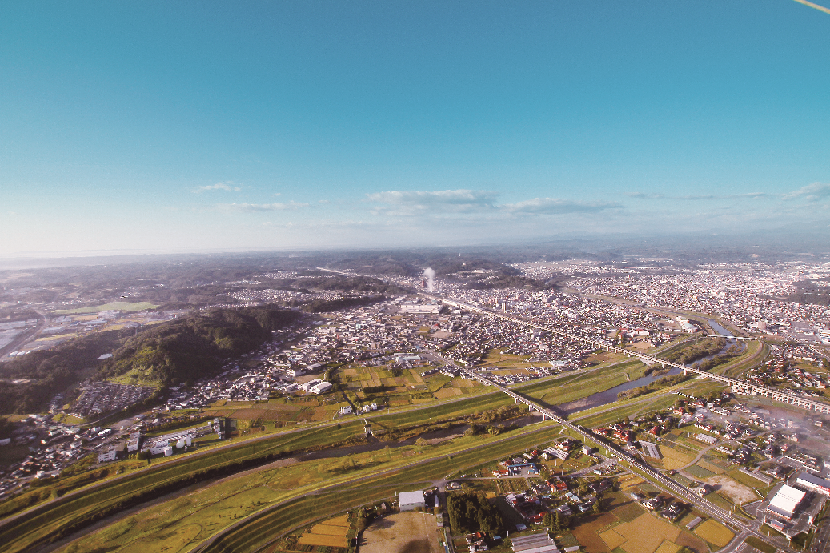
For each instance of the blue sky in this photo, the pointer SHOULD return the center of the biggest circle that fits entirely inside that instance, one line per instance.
(190, 126)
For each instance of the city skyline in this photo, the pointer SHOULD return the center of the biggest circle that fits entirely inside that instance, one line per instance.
(154, 127)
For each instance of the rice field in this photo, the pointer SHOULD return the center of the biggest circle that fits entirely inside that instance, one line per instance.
(715, 533)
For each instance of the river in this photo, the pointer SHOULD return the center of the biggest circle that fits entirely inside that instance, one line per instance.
(610, 395)
(719, 329)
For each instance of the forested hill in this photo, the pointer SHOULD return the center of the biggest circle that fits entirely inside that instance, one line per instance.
(181, 350)
(52, 371)
(194, 347)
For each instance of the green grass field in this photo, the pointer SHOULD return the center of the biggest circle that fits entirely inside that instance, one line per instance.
(582, 384)
(49, 522)
(337, 484)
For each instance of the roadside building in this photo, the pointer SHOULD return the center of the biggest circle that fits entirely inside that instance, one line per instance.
(650, 449)
(409, 501)
(108, 456)
(807, 481)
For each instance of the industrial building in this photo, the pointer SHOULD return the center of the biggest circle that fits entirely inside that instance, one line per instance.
(814, 483)
(786, 502)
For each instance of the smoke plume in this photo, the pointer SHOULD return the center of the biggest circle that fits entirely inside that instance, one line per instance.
(429, 274)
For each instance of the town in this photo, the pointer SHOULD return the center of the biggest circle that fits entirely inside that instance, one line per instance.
(444, 340)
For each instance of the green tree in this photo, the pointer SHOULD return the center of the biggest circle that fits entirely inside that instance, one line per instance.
(556, 523)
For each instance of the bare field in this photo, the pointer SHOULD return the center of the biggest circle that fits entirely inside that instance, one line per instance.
(738, 493)
(402, 533)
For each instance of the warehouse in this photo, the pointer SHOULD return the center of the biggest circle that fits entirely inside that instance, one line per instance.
(409, 501)
(786, 502)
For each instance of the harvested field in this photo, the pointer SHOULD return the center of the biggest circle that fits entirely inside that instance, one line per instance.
(646, 533)
(711, 467)
(318, 539)
(692, 542)
(715, 533)
(328, 530)
(629, 512)
(612, 539)
(667, 547)
(445, 393)
(699, 472)
(402, 533)
(587, 533)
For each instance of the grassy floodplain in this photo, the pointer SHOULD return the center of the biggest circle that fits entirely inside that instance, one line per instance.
(289, 494)
(114, 306)
(61, 517)
(571, 387)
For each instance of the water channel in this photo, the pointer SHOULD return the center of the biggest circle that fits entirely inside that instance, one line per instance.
(610, 395)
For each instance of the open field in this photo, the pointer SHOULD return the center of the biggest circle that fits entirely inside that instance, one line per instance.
(736, 492)
(760, 545)
(674, 458)
(330, 533)
(627, 527)
(715, 533)
(402, 533)
(56, 519)
(277, 410)
(114, 306)
(646, 533)
(496, 359)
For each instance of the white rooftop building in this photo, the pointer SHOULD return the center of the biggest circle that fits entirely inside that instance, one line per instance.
(786, 501)
(409, 501)
(534, 543)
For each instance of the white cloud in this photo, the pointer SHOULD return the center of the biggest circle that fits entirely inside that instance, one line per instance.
(812, 192)
(250, 208)
(227, 186)
(554, 206)
(748, 195)
(478, 203)
(416, 202)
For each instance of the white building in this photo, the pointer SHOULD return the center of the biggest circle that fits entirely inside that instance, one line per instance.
(108, 456)
(808, 481)
(534, 543)
(320, 388)
(409, 501)
(786, 502)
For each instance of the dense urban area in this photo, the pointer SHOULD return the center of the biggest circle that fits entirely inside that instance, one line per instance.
(448, 403)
